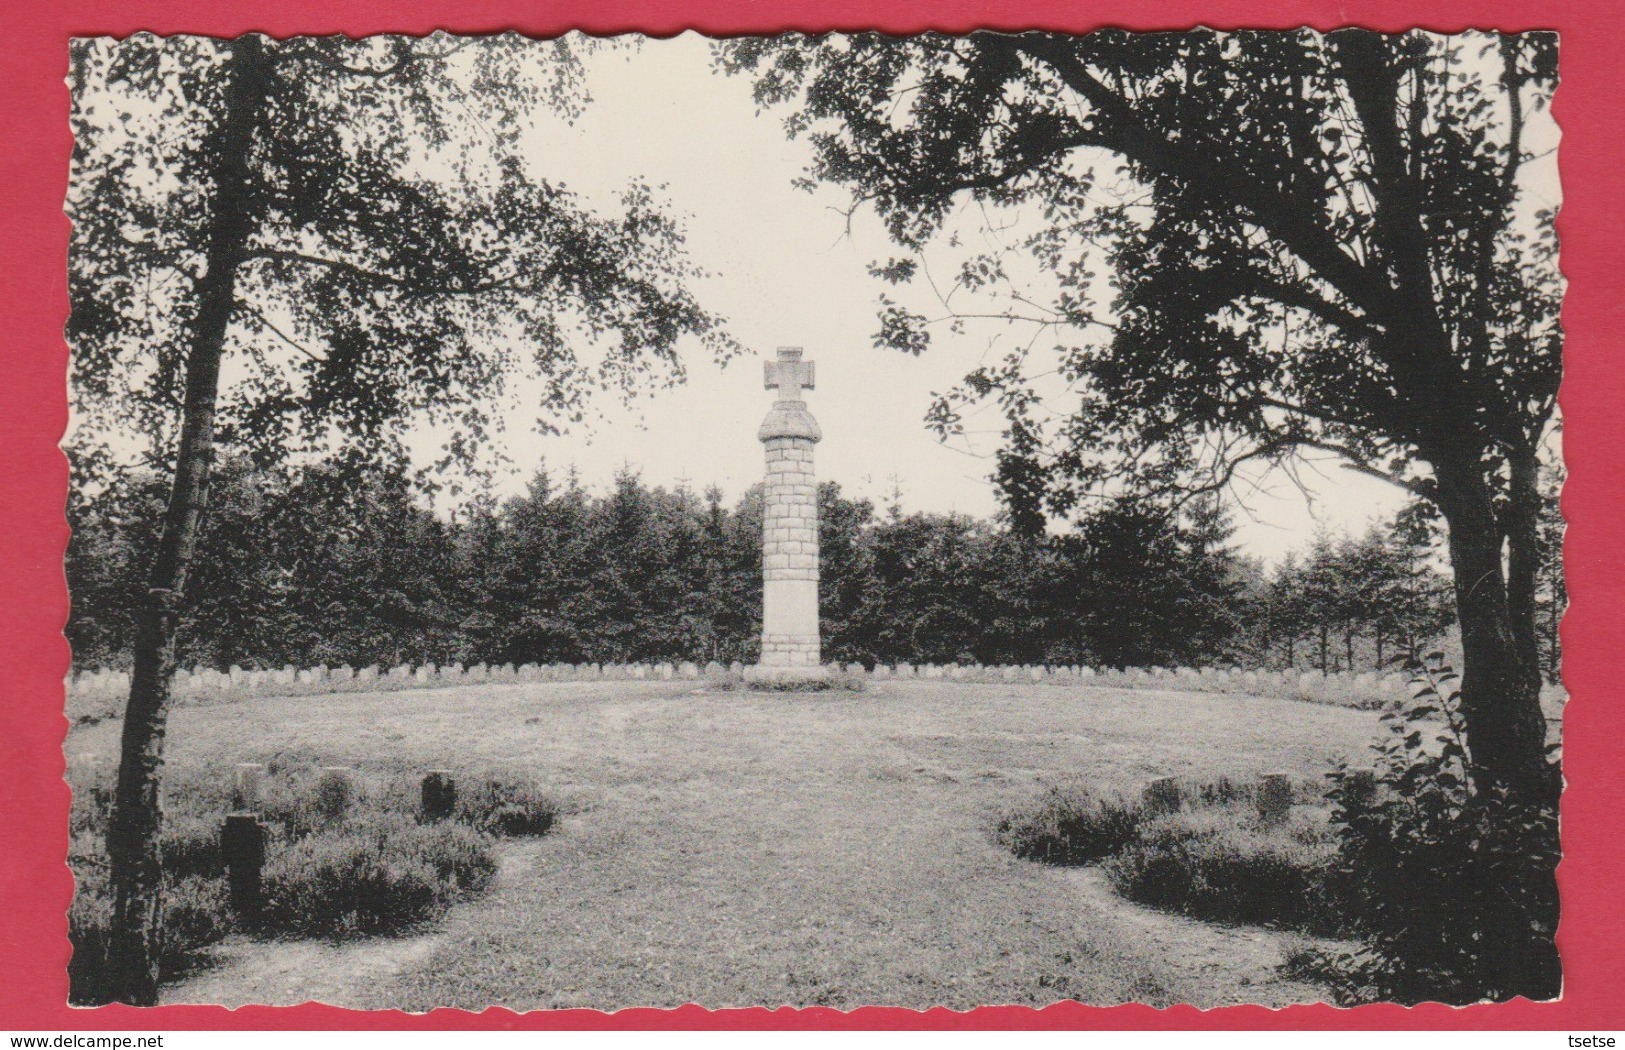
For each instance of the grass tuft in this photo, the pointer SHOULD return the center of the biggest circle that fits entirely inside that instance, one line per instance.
(1070, 826)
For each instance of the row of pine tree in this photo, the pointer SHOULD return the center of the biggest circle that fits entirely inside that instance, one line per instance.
(321, 565)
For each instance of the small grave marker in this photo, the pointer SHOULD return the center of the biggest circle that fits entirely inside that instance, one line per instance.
(333, 790)
(242, 849)
(245, 789)
(439, 794)
(1162, 795)
(1274, 798)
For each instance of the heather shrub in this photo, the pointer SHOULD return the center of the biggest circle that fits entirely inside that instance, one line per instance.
(504, 804)
(1197, 848)
(92, 802)
(190, 846)
(1219, 863)
(1173, 794)
(197, 913)
(360, 863)
(1069, 826)
(1446, 888)
(376, 875)
(1452, 886)
(291, 799)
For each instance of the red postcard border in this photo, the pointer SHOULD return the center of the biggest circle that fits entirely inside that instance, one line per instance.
(34, 149)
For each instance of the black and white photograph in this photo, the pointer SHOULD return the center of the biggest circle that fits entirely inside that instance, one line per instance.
(814, 520)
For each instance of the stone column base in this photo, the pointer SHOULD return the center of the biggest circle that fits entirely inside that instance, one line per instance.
(788, 650)
(765, 676)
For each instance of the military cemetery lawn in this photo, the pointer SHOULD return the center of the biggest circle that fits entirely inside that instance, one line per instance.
(736, 848)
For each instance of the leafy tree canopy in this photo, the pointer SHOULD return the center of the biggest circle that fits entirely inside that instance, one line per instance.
(1257, 242)
(394, 257)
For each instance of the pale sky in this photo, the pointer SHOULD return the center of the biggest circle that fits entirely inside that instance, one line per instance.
(788, 273)
(787, 269)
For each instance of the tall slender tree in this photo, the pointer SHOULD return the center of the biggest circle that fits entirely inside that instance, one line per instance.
(346, 230)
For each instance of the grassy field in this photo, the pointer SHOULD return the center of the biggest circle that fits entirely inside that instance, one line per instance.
(734, 848)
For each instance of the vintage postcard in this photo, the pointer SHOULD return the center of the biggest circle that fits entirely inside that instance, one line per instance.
(817, 520)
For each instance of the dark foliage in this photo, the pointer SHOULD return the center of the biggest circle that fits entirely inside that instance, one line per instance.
(196, 915)
(313, 566)
(379, 875)
(1197, 849)
(1446, 891)
(506, 805)
(1344, 604)
(1223, 867)
(1452, 884)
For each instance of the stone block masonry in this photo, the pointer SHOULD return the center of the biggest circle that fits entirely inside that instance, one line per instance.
(790, 520)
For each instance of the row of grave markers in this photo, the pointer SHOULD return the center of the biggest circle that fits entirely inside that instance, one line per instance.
(202, 680)
(1274, 795)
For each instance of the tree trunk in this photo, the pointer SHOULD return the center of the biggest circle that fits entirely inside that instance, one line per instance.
(136, 935)
(1500, 684)
(1523, 555)
(1554, 640)
(1325, 655)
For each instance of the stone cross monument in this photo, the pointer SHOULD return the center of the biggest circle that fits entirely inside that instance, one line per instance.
(789, 519)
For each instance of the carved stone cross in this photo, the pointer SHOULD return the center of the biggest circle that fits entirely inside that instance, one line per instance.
(790, 375)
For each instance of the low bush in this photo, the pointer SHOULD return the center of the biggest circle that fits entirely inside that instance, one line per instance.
(1447, 889)
(197, 913)
(1196, 848)
(376, 876)
(190, 846)
(92, 800)
(1070, 826)
(290, 796)
(1452, 887)
(1220, 864)
(505, 804)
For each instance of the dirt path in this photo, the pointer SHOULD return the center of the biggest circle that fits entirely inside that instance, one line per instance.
(738, 849)
(1228, 958)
